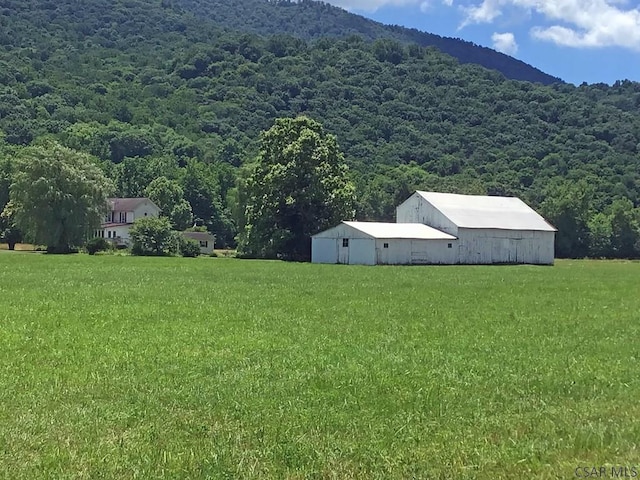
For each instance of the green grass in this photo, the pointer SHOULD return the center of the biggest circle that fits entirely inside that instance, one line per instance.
(125, 367)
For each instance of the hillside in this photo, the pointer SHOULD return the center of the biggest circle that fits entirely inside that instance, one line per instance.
(152, 89)
(310, 20)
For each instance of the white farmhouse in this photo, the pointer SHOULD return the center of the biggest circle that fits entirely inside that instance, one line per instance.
(489, 229)
(371, 243)
(121, 214)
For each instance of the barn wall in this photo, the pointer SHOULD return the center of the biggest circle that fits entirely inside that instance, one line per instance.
(488, 246)
(415, 252)
(434, 252)
(398, 252)
(324, 250)
(417, 210)
(326, 247)
(362, 251)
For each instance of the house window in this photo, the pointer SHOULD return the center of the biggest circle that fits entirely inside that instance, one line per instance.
(385, 245)
(204, 243)
(449, 245)
(345, 242)
(109, 234)
(123, 217)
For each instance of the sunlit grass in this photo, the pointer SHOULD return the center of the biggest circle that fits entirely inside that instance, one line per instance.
(125, 367)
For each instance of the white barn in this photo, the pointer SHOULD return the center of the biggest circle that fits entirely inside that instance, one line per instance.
(371, 243)
(488, 229)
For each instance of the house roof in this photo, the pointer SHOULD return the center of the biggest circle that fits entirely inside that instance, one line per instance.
(127, 204)
(416, 231)
(477, 211)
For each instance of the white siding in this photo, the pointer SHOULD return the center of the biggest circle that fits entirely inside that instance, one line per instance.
(145, 209)
(398, 252)
(118, 233)
(434, 252)
(324, 250)
(417, 210)
(487, 246)
(362, 251)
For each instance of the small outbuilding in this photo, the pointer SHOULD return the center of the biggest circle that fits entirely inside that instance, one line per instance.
(375, 243)
(489, 229)
(205, 240)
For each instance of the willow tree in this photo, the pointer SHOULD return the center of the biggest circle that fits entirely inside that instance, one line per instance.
(58, 196)
(299, 186)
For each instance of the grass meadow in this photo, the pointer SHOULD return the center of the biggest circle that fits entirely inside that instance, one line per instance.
(124, 367)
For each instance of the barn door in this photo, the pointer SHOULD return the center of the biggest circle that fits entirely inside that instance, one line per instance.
(343, 250)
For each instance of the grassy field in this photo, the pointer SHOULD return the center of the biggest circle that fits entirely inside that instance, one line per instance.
(124, 367)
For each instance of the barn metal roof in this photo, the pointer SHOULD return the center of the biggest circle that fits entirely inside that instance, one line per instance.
(417, 231)
(476, 211)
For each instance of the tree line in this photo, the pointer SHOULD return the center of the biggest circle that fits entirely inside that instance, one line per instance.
(299, 185)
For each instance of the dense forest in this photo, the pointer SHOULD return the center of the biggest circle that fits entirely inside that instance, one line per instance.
(182, 89)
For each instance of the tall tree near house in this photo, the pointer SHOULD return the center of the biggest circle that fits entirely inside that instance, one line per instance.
(58, 196)
(169, 196)
(299, 186)
(202, 191)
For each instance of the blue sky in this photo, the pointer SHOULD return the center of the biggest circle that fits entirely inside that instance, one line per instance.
(577, 40)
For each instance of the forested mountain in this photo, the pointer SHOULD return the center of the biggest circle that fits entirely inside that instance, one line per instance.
(310, 20)
(155, 89)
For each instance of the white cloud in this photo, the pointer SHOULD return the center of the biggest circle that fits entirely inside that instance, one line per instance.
(575, 23)
(505, 43)
(372, 5)
(428, 5)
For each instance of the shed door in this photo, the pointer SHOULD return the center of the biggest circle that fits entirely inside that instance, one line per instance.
(419, 252)
(382, 254)
(343, 250)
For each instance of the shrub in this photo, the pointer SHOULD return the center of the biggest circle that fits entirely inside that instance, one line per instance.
(188, 247)
(153, 236)
(97, 244)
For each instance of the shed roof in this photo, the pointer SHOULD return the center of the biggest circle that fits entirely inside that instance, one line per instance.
(417, 231)
(478, 211)
(198, 235)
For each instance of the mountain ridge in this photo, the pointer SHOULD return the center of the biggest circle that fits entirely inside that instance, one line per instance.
(348, 23)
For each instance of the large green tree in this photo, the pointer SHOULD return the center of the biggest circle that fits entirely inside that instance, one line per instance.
(169, 196)
(299, 186)
(58, 196)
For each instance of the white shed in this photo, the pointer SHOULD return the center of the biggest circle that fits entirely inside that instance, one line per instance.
(489, 229)
(371, 243)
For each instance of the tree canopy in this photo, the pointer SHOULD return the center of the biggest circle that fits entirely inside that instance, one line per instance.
(298, 187)
(169, 196)
(153, 236)
(58, 196)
